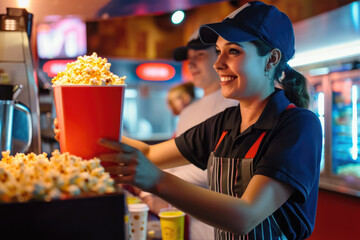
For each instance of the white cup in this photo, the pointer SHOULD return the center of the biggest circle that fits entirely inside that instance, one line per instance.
(138, 215)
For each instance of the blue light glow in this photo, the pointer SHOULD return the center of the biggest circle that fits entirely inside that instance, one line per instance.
(321, 112)
(355, 15)
(354, 149)
(177, 17)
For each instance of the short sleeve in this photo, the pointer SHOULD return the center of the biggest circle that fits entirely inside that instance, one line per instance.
(294, 152)
(198, 142)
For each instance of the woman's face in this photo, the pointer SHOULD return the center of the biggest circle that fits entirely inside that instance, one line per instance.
(241, 71)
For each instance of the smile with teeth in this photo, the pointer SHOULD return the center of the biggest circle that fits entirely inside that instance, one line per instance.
(227, 78)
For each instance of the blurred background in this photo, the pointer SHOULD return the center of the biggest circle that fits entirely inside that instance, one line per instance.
(138, 37)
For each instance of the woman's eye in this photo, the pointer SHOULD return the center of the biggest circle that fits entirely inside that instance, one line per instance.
(217, 51)
(233, 51)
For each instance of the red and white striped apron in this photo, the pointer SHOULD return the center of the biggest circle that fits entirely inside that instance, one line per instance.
(231, 176)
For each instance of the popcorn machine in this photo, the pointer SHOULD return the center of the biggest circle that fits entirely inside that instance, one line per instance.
(16, 67)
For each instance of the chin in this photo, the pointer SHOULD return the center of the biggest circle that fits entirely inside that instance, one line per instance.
(226, 94)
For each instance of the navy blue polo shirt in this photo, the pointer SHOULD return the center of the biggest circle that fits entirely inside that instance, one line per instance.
(290, 152)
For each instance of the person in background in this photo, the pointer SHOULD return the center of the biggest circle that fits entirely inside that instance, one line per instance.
(201, 58)
(262, 156)
(180, 96)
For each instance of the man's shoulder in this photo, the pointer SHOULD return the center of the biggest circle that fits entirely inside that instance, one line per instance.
(212, 104)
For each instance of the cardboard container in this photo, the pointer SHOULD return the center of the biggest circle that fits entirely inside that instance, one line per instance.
(87, 113)
(100, 217)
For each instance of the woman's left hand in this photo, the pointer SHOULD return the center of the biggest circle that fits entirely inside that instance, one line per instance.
(130, 166)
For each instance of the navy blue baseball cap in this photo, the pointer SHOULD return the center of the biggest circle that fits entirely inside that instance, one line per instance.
(252, 21)
(194, 42)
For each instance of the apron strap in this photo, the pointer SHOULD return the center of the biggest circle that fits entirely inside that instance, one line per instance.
(221, 138)
(254, 148)
(290, 106)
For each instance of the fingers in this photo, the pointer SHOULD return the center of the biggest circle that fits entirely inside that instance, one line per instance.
(116, 158)
(124, 179)
(57, 134)
(119, 171)
(56, 129)
(121, 174)
(116, 145)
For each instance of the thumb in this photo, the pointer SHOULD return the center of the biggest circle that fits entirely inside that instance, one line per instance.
(115, 145)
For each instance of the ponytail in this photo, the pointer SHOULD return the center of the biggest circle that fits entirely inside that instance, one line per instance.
(292, 82)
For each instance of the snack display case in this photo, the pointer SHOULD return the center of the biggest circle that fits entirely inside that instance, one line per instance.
(336, 102)
(329, 59)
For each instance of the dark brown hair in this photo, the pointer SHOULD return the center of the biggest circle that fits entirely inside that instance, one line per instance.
(293, 83)
(187, 87)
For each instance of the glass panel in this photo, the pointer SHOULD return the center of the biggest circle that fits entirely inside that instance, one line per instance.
(318, 107)
(146, 114)
(345, 128)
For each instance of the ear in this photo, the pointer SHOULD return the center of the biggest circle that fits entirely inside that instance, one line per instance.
(274, 58)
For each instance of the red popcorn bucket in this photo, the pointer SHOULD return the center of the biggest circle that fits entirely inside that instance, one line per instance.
(86, 113)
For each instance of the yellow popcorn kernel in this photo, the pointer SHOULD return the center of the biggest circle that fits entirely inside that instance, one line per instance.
(4, 175)
(87, 70)
(73, 190)
(100, 188)
(97, 172)
(24, 177)
(53, 194)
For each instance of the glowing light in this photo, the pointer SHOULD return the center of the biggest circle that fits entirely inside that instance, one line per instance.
(61, 37)
(321, 112)
(355, 14)
(155, 71)
(52, 67)
(334, 52)
(321, 103)
(23, 3)
(177, 17)
(354, 149)
(319, 71)
(131, 93)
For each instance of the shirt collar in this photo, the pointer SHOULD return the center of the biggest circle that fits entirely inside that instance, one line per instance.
(268, 118)
(273, 110)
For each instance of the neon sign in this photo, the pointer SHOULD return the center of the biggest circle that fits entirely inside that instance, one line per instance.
(52, 67)
(155, 71)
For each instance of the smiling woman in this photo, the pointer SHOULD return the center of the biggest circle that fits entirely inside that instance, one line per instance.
(242, 71)
(262, 180)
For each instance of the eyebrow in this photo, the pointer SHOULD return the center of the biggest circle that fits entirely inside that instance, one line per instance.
(231, 43)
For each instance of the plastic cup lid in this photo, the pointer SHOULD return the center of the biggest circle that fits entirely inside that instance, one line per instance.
(138, 207)
(171, 213)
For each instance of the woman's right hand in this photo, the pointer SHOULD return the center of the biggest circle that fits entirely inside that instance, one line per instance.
(130, 166)
(56, 129)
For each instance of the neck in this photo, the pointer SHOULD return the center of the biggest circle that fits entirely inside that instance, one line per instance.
(251, 110)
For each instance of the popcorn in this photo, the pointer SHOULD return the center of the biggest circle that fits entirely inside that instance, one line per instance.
(27, 177)
(90, 70)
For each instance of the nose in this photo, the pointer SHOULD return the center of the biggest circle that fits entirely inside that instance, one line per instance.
(192, 61)
(219, 63)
